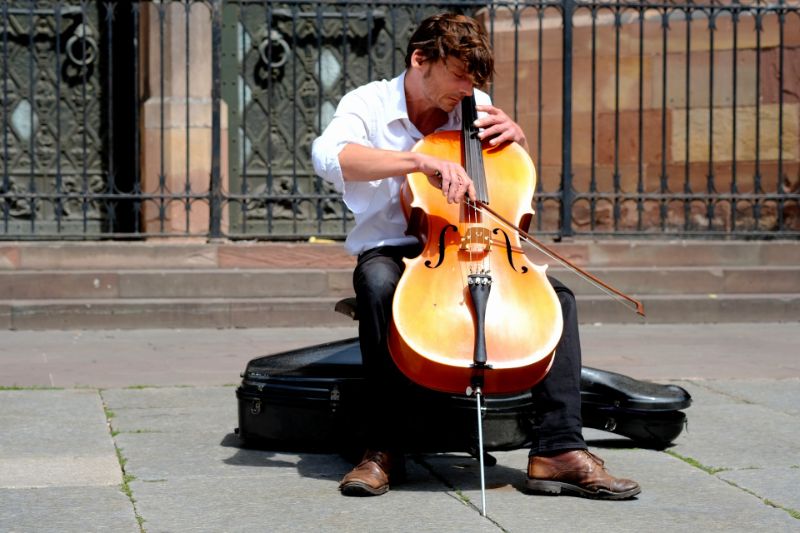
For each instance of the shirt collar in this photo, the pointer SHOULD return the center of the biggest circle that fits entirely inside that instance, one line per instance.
(400, 109)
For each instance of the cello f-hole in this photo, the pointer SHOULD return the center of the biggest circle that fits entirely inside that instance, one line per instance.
(441, 246)
(524, 269)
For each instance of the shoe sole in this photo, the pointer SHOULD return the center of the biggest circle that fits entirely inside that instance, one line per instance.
(355, 488)
(557, 487)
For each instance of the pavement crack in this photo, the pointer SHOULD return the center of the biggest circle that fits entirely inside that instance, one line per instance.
(697, 464)
(715, 470)
(710, 388)
(125, 487)
(794, 513)
(455, 492)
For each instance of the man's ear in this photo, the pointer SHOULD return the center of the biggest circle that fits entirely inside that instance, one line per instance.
(417, 58)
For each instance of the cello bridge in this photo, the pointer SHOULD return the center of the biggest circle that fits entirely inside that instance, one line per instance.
(476, 239)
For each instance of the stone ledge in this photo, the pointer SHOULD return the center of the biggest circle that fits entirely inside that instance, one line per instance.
(97, 256)
(319, 312)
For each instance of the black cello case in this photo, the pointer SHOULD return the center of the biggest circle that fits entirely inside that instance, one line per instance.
(313, 399)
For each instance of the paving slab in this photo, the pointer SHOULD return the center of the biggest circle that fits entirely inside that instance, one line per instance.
(262, 503)
(675, 497)
(714, 351)
(776, 486)
(55, 438)
(120, 358)
(734, 469)
(117, 358)
(173, 462)
(727, 433)
(66, 510)
(190, 474)
(172, 409)
(58, 467)
(780, 395)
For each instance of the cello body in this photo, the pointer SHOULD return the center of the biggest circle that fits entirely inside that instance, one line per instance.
(432, 336)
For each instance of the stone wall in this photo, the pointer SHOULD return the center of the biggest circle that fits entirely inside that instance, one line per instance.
(176, 128)
(654, 90)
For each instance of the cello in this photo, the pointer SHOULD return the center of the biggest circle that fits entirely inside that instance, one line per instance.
(471, 313)
(446, 332)
(471, 306)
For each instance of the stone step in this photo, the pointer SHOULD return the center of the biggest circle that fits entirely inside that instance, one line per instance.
(170, 313)
(693, 309)
(337, 282)
(687, 280)
(218, 283)
(170, 255)
(187, 285)
(290, 312)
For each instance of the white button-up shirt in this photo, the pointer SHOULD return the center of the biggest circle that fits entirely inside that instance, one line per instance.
(374, 115)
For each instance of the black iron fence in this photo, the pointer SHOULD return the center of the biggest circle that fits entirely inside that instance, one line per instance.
(195, 118)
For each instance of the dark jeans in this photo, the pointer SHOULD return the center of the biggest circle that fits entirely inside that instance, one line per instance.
(557, 398)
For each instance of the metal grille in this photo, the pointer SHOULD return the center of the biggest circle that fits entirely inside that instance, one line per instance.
(53, 166)
(292, 62)
(164, 119)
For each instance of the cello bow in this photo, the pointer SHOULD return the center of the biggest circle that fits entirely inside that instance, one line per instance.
(624, 299)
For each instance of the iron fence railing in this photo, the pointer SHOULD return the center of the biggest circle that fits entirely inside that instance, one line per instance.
(195, 118)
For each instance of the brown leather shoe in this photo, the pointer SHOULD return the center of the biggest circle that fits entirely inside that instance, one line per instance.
(371, 476)
(580, 473)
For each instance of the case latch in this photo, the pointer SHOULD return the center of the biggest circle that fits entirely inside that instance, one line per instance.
(335, 398)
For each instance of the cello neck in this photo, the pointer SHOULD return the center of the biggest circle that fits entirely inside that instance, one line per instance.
(472, 149)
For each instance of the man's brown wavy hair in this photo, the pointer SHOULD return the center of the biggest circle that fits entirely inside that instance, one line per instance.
(452, 35)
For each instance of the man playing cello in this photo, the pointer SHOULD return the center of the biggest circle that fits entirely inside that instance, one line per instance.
(365, 153)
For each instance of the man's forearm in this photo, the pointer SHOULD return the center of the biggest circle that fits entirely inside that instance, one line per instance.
(362, 163)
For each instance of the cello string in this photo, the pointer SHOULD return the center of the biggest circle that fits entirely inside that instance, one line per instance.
(475, 170)
(467, 108)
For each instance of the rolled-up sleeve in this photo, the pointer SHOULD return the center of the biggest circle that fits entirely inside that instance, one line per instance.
(349, 125)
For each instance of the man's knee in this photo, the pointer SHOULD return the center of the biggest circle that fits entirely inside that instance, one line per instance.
(564, 293)
(567, 299)
(377, 280)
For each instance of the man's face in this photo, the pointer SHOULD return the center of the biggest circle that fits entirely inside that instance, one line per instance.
(446, 82)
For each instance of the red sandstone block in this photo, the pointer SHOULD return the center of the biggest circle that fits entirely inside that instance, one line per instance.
(770, 75)
(772, 138)
(284, 255)
(699, 76)
(696, 176)
(604, 178)
(524, 79)
(780, 253)
(700, 37)
(110, 255)
(58, 285)
(6, 321)
(9, 257)
(616, 84)
(286, 312)
(523, 38)
(549, 176)
(745, 176)
(600, 33)
(618, 137)
(116, 314)
(547, 150)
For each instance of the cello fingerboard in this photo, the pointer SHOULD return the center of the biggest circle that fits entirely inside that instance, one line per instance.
(471, 148)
